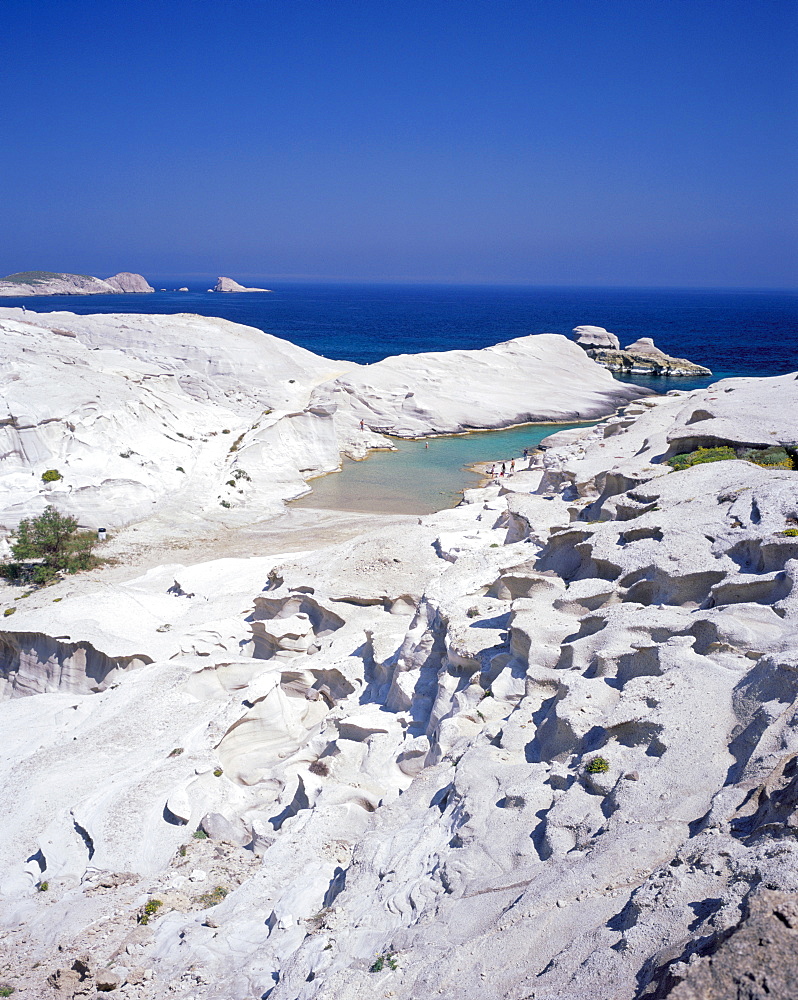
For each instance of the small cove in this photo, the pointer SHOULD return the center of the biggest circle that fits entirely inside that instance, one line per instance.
(423, 476)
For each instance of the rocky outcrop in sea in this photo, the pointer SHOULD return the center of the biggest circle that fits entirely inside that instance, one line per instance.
(640, 358)
(228, 285)
(56, 283)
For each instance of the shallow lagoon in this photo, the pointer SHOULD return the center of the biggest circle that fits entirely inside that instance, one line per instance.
(417, 479)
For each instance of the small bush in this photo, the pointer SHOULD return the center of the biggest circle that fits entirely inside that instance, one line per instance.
(242, 474)
(7, 991)
(389, 959)
(200, 835)
(182, 850)
(51, 476)
(226, 430)
(790, 532)
(217, 772)
(231, 482)
(180, 469)
(43, 886)
(774, 457)
(176, 752)
(126, 454)
(8, 611)
(320, 768)
(599, 765)
(236, 444)
(699, 457)
(151, 907)
(225, 503)
(213, 897)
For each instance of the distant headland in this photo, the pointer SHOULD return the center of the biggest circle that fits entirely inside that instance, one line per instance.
(57, 283)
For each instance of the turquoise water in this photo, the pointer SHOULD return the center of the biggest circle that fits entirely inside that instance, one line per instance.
(417, 479)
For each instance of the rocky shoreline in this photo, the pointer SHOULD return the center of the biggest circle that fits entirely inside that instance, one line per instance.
(640, 358)
(539, 745)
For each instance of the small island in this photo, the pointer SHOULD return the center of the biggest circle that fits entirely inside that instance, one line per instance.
(228, 285)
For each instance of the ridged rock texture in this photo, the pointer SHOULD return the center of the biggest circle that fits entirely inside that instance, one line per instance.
(56, 283)
(542, 745)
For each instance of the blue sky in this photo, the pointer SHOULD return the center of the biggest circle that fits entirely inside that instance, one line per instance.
(570, 142)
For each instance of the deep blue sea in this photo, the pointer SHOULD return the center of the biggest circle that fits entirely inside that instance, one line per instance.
(731, 332)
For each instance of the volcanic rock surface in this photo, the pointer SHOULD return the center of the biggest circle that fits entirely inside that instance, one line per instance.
(56, 283)
(542, 745)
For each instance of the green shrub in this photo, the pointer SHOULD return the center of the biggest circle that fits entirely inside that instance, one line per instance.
(51, 476)
(217, 772)
(176, 752)
(151, 907)
(699, 457)
(242, 474)
(791, 532)
(54, 538)
(388, 958)
(43, 886)
(225, 503)
(599, 765)
(8, 611)
(6, 991)
(213, 897)
(774, 457)
(180, 469)
(231, 482)
(200, 835)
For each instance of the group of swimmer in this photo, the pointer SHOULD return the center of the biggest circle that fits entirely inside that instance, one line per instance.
(496, 471)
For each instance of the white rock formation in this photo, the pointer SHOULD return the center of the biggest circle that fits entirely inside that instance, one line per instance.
(544, 744)
(228, 285)
(640, 358)
(52, 283)
(195, 419)
(127, 282)
(596, 336)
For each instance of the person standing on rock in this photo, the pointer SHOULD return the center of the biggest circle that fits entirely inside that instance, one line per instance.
(512, 467)
(504, 469)
(361, 425)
